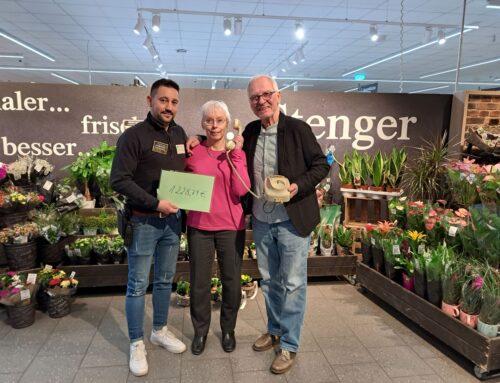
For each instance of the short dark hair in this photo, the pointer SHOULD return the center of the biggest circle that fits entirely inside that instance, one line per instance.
(163, 82)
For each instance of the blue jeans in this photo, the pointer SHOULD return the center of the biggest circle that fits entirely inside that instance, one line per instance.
(282, 262)
(156, 238)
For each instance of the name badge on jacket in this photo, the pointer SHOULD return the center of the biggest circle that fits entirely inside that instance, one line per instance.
(160, 147)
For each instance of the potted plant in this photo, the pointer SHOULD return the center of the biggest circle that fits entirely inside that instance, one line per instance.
(57, 286)
(488, 188)
(326, 239)
(489, 315)
(117, 249)
(433, 270)
(378, 173)
(397, 211)
(451, 285)
(83, 170)
(462, 177)
(406, 264)
(101, 246)
(366, 246)
(395, 166)
(343, 240)
(251, 250)
(90, 224)
(182, 293)
(20, 246)
(79, 252)
(16, 293)
(107, 223)
(391, 245)
(345, 176)
(471, 296)
(215, 289)
(248, 286)
(423, 177)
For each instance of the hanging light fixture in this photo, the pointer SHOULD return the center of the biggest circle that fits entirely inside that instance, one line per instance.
(153, 52)
(373, 33)
(155, 25)
(428, 34)
(299, 31)
(139, 26)
(238, 25)
(227, 26)
(441, 37)
(147, 43)
(300, 55)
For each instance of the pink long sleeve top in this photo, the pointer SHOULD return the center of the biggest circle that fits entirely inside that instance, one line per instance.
(226, 212)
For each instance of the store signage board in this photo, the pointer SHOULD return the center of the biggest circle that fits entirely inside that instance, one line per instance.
(186, 190)
(368, 88)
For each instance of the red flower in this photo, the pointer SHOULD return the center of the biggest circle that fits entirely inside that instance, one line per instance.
(55, 282)
(41, 197)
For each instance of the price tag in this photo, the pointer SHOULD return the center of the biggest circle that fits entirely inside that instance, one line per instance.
(50, 293)
(72, 275)
(373, 241)
(71, 198)
(38, 167)
(453, 231)
(48, 267)
(25, 294)
(395, 250)
(393, 211)
(421, 248)
(47, 185)
(78, 252)
(31, 278)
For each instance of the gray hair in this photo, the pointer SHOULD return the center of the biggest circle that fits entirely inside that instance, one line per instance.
(216, 104)
(256, 77)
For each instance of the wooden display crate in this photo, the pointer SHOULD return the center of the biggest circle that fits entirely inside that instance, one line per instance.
(358, 211)
(483, 351)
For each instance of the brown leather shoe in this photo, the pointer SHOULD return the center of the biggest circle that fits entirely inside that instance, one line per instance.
(282, 362)
(265, 342)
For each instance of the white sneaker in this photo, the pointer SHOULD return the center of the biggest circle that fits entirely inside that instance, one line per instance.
(138, 364)
(168, 340)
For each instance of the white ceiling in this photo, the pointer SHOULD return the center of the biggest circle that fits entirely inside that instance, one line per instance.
(97, 35)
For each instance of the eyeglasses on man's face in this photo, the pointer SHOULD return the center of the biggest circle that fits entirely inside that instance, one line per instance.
(266, 96)
(211, 122)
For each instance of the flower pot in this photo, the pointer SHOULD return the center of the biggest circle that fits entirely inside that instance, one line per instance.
(420, 284)
(21, 256)
(10, 219)
(376, 189)
(58, 306)
(451, 310)
(103, 258)
(469, 319)
(182, 300)
(52, 254)
(366, 251)
(434, 292)
(21, 316)
(391, 272)
(408, 282)
(488, 330)
(378, 259)
(250, 289)
(348, 193)
(341, 250)
(89, 231)
(88, 204)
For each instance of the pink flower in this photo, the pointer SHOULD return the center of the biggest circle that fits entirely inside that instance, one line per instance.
(429, 224)
(477, 283)
(11, 273)
(41, 197)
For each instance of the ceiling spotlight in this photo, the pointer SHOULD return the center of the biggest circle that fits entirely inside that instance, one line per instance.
(428, 34)
(441, 37)
(139, 26)
(155, 25)
(160, 65)
(163, 73)
(238, 25)
(147, 42)
(153, 52)
(227, 26)
(373, 33)
(299, 31)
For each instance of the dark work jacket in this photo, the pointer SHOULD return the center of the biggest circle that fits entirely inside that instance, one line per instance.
(142, 152)
(301, 160)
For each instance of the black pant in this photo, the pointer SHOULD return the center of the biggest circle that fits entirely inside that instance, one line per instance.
(229, 245)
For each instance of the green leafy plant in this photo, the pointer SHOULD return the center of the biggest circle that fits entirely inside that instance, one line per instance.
(452, 282)
(343, 236)
(378, 166)
(183, 288)
(396, 164)
(471, 295)
(423, 177)
(345, 171)
(490, 308)
(246, 279)
(90, 222)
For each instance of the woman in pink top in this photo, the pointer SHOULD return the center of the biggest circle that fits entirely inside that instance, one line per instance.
(222, 229)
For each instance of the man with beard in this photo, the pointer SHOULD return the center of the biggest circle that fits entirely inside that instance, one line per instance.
(142, 152)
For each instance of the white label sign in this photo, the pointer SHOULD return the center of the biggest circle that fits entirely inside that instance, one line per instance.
(25, 294)
(395, 250)
(47, 185)
(453, 231)
(31, 278)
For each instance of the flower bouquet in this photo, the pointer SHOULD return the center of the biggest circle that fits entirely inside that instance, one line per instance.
(57, 287)
(19, 245)
(27, 171)
(462, 177)
(17, 292)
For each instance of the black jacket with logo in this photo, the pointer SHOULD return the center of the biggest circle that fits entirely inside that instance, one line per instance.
(142, 152)
(301, 160)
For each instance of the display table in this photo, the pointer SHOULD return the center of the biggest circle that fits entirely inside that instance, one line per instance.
(482, 351)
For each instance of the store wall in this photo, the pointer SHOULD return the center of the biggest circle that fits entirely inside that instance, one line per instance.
(57, 122)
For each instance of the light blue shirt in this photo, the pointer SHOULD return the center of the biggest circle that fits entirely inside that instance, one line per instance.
(265, 164)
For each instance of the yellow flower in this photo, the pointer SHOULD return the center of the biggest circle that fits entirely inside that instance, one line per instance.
(74, 282)
(64, 284)
(415, 235)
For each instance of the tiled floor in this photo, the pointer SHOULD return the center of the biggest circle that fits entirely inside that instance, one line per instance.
(347, 337)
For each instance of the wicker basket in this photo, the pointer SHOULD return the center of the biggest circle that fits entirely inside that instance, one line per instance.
(21, 316)
(51, 254)
(21, 256)
(11, 219)
(58, 306)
